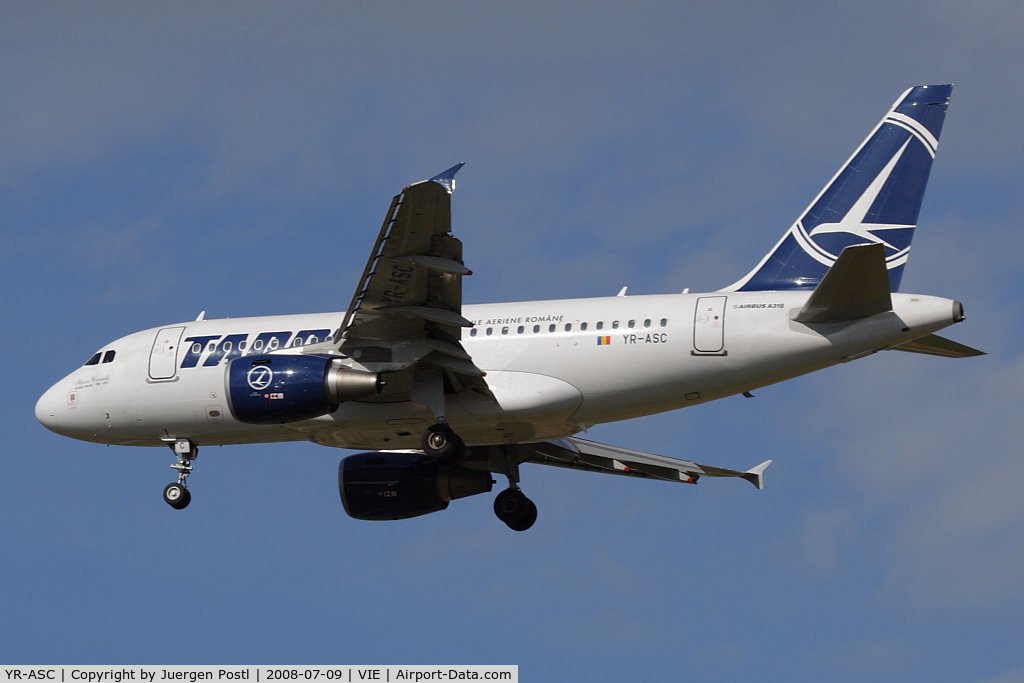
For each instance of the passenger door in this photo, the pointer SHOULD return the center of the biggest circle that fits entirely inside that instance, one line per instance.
(709, 326)
(163, 359)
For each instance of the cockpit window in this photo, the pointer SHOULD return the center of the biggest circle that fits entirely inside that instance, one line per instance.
(95, 359)
(108, 356)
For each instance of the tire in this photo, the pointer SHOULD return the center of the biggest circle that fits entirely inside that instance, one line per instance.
(440, 442)
(527, 519)
(516, 510)
(177, 496)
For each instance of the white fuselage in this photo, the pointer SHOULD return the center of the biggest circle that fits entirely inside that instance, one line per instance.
(554, 368)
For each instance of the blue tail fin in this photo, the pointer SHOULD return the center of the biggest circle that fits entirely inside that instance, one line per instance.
(874, 198)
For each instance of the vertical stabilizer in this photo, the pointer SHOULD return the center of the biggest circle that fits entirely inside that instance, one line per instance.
(874, 198)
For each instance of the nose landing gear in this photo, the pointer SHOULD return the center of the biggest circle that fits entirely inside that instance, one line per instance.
(176, 494)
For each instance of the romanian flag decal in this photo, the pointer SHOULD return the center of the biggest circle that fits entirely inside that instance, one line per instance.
(604, 341)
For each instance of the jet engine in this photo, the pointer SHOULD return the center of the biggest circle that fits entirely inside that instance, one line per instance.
(274, 389)
(383, 486)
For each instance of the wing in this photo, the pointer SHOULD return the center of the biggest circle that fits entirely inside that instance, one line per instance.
(576, 453)
(406, 312)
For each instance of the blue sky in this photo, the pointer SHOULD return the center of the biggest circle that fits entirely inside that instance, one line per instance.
(238, 158)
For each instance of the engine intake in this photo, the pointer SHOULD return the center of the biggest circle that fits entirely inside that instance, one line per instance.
(275, 389)
(385, 486)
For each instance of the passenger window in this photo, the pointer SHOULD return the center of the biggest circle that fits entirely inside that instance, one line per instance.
(583, 326)
(664, 322)
(312, 339)
(227, 346)
(647, 323)
(197, 349)
(504, 330)
(472, 332)
(242, 345)
(94, 360)
(632, 324)
(615, 324)
(212, 347)
(600, 325)
(536, 329)
(551, 327)
(274, 343)
(489, 331)
(258, 345)
(568, 327)
(520, 330)
(108, 356)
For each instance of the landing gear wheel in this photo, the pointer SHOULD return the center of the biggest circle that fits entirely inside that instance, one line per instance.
(442, 443)
(177, 496)
(515, 509)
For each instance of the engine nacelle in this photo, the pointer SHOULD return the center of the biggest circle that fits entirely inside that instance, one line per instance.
(383, 486)
(273, 389)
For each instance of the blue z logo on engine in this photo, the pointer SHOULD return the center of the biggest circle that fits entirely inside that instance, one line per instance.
(260, 377)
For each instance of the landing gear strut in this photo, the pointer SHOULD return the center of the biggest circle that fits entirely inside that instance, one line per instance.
(176, 494)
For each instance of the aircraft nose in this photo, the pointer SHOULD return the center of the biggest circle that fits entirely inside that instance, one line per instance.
(49, 408)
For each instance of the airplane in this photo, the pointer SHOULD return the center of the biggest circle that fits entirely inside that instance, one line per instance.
(441, 395)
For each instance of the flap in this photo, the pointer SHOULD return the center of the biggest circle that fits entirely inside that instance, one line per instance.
(577, 453)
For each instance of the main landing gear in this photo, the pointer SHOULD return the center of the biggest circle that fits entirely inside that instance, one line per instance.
(176, 494)
(511, 506)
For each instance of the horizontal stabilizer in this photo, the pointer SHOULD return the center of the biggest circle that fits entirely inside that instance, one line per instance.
(855, 287)
(934, 345)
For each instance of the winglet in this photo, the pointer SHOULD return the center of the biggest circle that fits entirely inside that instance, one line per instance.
(755, 475)
(446, 179)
